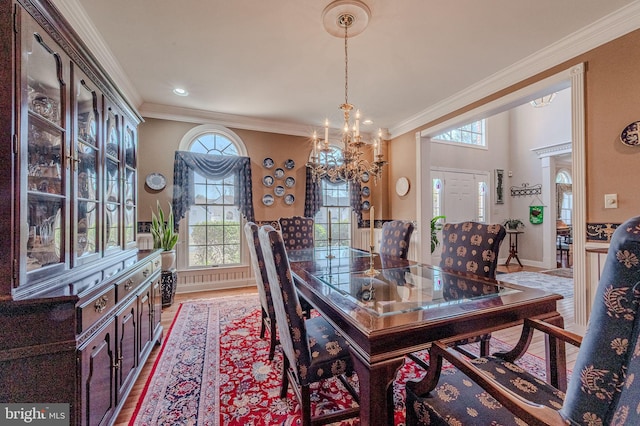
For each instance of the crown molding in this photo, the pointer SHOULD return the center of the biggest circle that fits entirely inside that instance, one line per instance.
(602, 31)
(191, 115)
(552, 150)
(73, 12)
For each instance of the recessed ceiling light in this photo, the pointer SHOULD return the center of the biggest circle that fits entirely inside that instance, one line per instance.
(180, 92)
(367, 122)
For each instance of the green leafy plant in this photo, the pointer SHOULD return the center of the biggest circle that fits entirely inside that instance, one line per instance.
(436, 225)
(513, 224)
(163, 230)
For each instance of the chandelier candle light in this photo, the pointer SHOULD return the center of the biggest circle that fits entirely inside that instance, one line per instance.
(342, 15)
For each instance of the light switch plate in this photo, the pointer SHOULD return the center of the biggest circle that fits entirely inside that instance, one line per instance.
(610, 201)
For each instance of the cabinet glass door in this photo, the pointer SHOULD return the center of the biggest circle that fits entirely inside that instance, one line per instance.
(46, 176)
(86, 171)
(130, 184)
(113, 192)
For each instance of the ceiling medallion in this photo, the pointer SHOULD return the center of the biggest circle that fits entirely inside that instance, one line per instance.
(346, 18)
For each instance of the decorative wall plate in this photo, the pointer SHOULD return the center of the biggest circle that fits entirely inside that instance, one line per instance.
(366, 191)
(268, 163)
(289, 199)
(289, 164)
(279, 190)
(402, 186)
(289, 182)
(156, 181)
(631, 134)
(365, 177)
(366, 205)
(267, 181)
(279, 173)
(267, 200)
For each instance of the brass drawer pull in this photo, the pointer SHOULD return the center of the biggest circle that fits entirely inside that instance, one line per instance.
(128, 285)
(101, 304)
(145, 273)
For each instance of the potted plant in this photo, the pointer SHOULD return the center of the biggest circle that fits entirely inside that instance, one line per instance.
(513, 224)
(436, 225)
(164, 235)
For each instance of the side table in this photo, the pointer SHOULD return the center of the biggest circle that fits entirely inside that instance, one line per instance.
(168, 280)
(513, 247)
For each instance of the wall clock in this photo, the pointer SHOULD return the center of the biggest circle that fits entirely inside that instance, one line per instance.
(156, 181)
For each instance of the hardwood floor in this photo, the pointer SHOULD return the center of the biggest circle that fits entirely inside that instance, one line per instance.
(511, 335)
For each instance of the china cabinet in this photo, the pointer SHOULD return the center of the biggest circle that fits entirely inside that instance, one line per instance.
(80, 305)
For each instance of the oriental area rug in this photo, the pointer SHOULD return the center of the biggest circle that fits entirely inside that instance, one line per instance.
(214, 370)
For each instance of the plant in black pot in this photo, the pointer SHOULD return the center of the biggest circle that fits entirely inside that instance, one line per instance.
(164, 235)
(513, 224)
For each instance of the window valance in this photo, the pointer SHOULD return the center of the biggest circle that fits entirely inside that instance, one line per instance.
(211, 167)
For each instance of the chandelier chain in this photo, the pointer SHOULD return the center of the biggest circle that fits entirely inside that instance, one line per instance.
(346, 64)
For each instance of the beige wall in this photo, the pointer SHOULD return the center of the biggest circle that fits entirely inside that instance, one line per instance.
(159, 139)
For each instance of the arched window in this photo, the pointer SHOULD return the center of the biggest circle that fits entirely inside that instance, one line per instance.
(564, 196)
(214, 222)
(335, 199)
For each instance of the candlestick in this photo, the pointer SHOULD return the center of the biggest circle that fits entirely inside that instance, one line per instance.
(326, 132)
(371, 220)
(329, 226)
(357, 123)
(315, 143)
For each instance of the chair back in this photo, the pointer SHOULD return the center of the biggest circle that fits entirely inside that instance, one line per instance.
(395, 238)
(289, 315)
(297, 232)
(471, 247)
(605, 383)
(259, 270)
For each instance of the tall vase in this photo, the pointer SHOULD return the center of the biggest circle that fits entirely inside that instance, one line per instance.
(168, 258)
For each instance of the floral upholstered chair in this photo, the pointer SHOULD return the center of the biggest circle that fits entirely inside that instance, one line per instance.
(470, 248)
(604, 386)
(297, 232)
(313, 350)
(395, 238)
(262, 281)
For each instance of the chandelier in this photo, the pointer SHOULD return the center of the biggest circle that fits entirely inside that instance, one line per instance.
(339, 17)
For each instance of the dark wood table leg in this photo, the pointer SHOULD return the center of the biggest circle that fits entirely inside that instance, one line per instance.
(375, 381)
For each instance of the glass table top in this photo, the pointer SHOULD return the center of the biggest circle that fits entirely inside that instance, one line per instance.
(410, 288)
(322, 253)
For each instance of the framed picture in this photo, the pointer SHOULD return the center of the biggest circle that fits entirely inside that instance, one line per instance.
(499, 186)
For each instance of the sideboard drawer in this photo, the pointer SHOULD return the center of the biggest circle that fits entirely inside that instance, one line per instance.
(128, 284)
(95, 308)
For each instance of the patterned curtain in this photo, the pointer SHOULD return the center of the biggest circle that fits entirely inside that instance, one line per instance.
(211, 167)
(313, 198)
(356, 199)
(561, 189)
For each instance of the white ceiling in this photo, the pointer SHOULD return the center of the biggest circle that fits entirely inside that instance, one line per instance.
(270, 65)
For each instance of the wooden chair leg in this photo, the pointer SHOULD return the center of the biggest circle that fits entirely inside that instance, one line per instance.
(305, 394)
(262, 329)
(285, 378)
(274, 339)
(484, 345)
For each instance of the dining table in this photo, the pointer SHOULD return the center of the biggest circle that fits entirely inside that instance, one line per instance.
(387, 307)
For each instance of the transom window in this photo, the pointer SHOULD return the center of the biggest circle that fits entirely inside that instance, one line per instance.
(469, 134)
(214, 220)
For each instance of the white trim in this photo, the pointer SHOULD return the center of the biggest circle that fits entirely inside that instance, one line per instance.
(73, 12)
(552, 150)
(191, 115)
(555, 82)
(610, 27)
